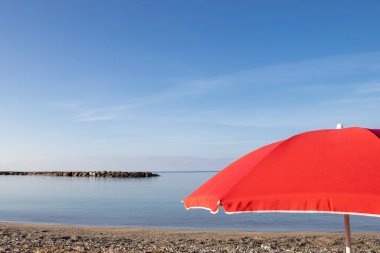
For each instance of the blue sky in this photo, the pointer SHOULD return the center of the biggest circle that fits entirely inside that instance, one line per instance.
(179, 85)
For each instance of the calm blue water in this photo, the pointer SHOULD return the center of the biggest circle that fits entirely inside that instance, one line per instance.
(152, 202)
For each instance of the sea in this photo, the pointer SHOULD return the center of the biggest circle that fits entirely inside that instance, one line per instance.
(144, 202)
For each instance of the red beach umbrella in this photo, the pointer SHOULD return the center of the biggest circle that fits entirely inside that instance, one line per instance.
(323, 171)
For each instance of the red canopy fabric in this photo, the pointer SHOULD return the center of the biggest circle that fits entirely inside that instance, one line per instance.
(335, 170)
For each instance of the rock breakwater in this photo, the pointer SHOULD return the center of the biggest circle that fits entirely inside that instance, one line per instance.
(123, 174)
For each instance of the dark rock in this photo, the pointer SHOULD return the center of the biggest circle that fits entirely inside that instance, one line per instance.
(121, 174)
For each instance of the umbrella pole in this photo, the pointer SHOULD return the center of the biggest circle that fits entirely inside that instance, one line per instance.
(346, 217)
(348, 232)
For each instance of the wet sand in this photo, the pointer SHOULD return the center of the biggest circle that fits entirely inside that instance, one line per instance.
(57, 238)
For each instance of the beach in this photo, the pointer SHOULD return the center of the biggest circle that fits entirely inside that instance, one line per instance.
(59, 238)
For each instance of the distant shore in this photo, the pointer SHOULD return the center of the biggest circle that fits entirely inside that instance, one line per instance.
(58, 238)
(123, 174)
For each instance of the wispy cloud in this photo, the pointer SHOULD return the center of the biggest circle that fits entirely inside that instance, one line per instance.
(315, 72)
(96, 118)
(352, 100)
(98, 114)
(67, 105)
(368, 88)
(169, 130)
(84, 113)
(305, 94)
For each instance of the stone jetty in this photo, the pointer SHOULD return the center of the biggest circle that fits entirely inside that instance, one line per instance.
(123, 174)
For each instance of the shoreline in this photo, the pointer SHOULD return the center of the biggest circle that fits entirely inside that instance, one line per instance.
(21, 237)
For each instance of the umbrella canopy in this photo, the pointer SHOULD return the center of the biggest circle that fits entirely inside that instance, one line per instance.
(328, 171)
(320, 171)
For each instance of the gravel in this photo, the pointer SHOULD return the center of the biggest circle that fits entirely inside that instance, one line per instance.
(57, 238)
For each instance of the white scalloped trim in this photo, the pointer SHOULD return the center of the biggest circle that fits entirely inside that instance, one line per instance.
(306, 211)
(278, 211)
(202, 207)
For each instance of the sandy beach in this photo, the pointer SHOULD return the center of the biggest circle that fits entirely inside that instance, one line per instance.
(57, 238)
